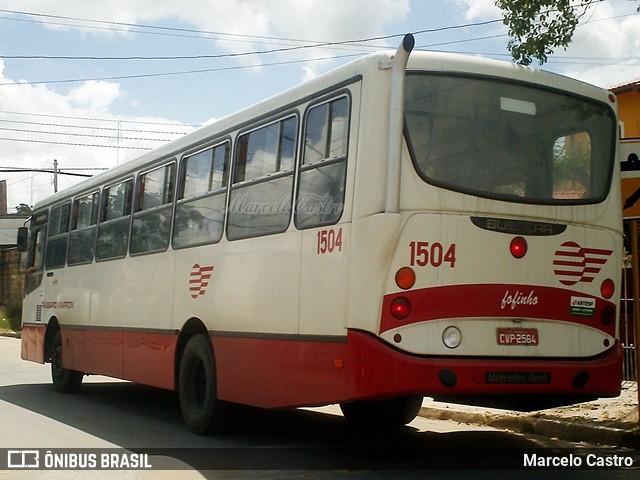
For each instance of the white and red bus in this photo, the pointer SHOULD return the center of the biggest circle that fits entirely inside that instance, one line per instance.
(405, 225)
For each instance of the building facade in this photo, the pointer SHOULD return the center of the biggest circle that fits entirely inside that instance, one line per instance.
(629, 108)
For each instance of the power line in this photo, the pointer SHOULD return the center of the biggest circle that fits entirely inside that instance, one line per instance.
(43, 170)
(70, 134)
(302, 44)
(184, 72)
(142, 122)
(86, 127)
(309, 44)
(124, 147)
(314, 43)
(199, 33)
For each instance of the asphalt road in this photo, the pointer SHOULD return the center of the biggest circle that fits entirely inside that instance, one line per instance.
(300, 443)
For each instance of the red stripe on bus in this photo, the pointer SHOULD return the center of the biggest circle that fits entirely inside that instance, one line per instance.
(493, 301)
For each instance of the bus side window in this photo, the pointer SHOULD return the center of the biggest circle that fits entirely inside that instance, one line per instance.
(153, 210)
(260, 199)
(113, 232)
(35, 258)
(83, 229)
(37, 262)
(320, 199)
(199, 216)
(57, 242)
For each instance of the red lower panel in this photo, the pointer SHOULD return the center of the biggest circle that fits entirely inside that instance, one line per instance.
(149, 358)
(142, 357)
(32, 339)
(279, 373)
(94, 351)
(273, 373)
(286, 372)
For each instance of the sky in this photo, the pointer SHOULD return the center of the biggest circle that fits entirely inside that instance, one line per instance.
(95, 84)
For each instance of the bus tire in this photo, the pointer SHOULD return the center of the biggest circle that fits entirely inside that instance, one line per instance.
(390, 413)
(64, 379)
(202, 412)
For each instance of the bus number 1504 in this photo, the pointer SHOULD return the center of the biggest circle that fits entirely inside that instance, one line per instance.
(423, 254)
(329, 241)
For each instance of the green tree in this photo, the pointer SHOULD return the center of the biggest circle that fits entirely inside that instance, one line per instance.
(537, 27)
(24, 209)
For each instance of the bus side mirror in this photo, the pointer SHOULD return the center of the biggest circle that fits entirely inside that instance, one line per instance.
(23, 239)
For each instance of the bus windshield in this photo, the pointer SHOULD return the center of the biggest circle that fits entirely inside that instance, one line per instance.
(509, 141)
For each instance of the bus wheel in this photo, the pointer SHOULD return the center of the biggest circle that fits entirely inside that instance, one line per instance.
(391, 413)
(64, 380)
(202, 412)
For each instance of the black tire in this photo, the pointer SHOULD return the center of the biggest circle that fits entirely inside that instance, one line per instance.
(64, 380)
(202, 412)
(390, 413)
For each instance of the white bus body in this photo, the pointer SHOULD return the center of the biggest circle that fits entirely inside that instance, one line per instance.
(270, 233)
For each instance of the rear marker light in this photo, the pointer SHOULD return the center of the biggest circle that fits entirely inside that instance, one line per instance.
(518, 247)
(405, 278)
(400, 308)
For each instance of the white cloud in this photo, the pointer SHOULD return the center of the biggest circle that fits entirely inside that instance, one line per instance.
(604, 48)
(300, 19)
(38, 125)
(94, 95)
(330, 20)
(245, 20)
(480, 9)
(309, 74)
(608, 44)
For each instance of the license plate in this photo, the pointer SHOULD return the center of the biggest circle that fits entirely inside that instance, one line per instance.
(517, 336)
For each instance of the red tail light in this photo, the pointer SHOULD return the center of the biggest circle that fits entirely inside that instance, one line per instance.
(400, 308)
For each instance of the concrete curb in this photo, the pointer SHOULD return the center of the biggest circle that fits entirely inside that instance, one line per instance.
(570, 431)
(10, 334)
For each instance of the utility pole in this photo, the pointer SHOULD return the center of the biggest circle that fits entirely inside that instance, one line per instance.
(55, 176)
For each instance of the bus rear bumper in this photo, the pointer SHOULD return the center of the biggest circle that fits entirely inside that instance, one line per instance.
(387, 372)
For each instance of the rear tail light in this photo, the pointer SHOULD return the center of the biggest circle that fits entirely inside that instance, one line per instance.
(400, 308)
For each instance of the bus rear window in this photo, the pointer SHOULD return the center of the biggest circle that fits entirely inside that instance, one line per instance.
(508, 141)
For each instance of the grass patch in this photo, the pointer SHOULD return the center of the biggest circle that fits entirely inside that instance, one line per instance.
(10, 319)
(5, 326)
